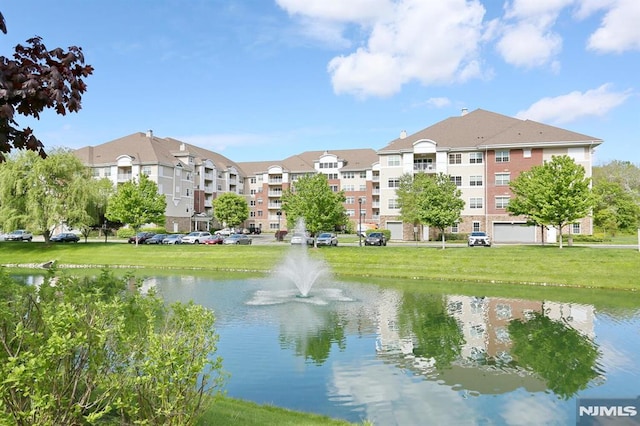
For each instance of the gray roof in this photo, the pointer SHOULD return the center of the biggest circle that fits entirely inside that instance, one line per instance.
(148, 150)
(355, 159)
(484, 129)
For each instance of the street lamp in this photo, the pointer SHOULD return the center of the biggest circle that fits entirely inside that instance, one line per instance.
(360, 200)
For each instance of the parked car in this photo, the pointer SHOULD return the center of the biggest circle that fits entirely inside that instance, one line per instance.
(19, 235)
(327, 239)
(65, 237)
(156, 239)
(301, 239)
(237, 239)
(195, 237)
(141, 237)
(213, 239)
(375, 239)
(173, 239)
(225, 232)
(479, 239)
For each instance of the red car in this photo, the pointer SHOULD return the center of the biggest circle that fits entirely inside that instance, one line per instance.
(212, 239)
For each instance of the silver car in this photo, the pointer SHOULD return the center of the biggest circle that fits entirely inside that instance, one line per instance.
(327, 239)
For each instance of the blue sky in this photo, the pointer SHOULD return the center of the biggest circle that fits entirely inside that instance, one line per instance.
(265, 79)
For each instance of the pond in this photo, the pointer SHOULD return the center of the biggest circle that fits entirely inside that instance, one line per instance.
(361, 351)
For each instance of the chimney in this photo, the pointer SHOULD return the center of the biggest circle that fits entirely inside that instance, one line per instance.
(403, 134)
(464, 112)
(150, 134)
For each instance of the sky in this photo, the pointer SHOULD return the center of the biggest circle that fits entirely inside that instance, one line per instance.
(258, 80)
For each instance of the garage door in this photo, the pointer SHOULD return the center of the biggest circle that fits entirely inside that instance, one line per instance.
(514, 233)
(396, 230)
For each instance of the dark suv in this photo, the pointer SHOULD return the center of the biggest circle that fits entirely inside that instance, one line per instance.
(375, 239)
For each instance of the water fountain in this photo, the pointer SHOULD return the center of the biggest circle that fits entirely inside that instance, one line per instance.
(295, 277)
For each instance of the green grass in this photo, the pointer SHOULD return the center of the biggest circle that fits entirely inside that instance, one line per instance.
(577, 266)
(229, 411)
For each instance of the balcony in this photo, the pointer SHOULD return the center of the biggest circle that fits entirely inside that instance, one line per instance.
(275, 205)
(275, 193)
(424, 167)
(125, 177)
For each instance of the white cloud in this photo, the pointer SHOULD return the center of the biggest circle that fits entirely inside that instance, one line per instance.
(527, 39)
(575, 105)
(439, 102)
(528, 45)
(354, 11)
(618, 31)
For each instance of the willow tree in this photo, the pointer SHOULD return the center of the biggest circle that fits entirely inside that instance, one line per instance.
(43, 194)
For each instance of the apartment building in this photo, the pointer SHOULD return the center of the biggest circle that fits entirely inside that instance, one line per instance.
(482, 151)
(354, 171)
(190, 177)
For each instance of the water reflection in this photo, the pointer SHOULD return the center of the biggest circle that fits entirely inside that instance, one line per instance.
(402, 358)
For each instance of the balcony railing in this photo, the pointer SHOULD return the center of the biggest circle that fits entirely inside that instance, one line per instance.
(422, 167)
(124, 177)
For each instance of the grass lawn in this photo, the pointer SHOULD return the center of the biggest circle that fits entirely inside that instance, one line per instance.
(577, 266)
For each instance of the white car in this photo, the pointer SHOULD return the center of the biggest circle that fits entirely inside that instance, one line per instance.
(195, 237)
(225, 232)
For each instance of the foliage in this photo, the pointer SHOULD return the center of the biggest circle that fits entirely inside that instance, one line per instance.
(74, 351)
(316, 346)
(137, 203)
(556, 193)
(436, 334)
(35, 79)
(312, 199)
(559, 354)
(430, 199)
(615, 209)
(41, 194)
(230, 209)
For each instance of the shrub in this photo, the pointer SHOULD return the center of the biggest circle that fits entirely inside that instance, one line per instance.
(73, 351)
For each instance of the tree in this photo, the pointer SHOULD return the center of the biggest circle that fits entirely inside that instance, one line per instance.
(312, 199)
(136, 203)
(41, 194)
(431, 199)
(230, 209)
(615, 208)
(556, 193)
(616, 186)
(407, 194)
(85, 351)
(35, 79)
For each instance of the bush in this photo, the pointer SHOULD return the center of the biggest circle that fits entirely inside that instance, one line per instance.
(74, 351)
(581, 238)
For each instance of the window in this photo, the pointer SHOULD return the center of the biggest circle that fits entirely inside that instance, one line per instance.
(475, 158)
(363, 175)
(502, 156)
(393, 203)
(334, 188)
(146, 170)
(363, 187)
(252, 180)
(475, 180)
(348, 188)
(502, 201)
(526, 153)
(454, 228)
(350, 200)
(332, 176)
(393, 160)
(252, 203)
(394, 183)
(503, 179)
(476, 226)
(455, 158)
(259, 213)
(95, 172)
(107, 171)
(475, 202)
(348, 175)
(575, 228)
(351, 212)
(457, 180)
(252, 214)
(252, 192)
